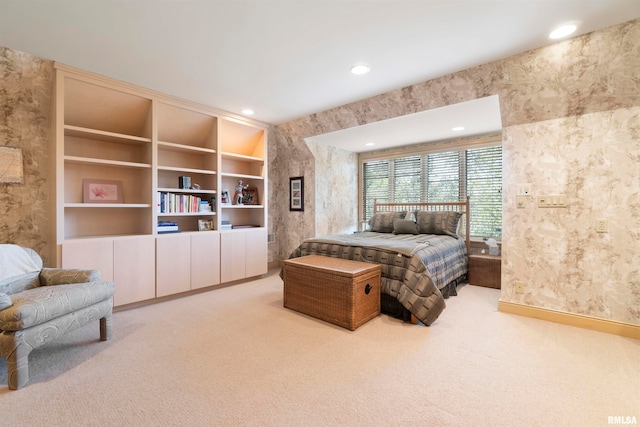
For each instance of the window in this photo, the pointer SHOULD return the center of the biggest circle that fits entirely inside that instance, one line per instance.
(441, 177)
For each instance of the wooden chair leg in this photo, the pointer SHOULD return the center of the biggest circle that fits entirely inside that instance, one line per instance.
(106, 327)
(414, 320)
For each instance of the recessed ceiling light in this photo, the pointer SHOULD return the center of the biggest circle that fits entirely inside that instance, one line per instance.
(369, 144)
(563, 31)
(247, 111)
(360, 69)
(457, 128)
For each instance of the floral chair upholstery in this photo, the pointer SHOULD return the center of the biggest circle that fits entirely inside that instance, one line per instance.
(38, 305)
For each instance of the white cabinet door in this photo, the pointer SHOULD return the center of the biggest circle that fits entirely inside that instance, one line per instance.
(256, 254)
(232, 256)
(205, 259)
(173, 264)
(92, 254)
(243, 253)
(134, 269)
(129, 262)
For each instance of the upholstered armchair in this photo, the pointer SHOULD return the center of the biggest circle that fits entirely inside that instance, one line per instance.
(38, 305)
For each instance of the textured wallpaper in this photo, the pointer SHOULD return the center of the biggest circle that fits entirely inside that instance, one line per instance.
(25, 101)
(565, 265)
(570, 126)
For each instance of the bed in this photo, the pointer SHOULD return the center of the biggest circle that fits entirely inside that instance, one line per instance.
(422, 248)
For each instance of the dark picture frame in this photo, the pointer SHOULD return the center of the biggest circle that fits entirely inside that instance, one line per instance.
(250, 196)
(296, 194)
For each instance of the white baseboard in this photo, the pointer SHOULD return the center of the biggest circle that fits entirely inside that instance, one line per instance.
(601, 325)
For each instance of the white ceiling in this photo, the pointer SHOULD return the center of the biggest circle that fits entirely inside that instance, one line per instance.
(288, 58)
(478, 117)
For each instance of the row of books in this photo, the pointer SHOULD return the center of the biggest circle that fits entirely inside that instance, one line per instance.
(181, 203)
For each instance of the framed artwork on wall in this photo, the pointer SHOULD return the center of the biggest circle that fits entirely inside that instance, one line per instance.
(296, 193)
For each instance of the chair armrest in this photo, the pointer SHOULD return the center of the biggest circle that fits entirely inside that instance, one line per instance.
(5, 301)
(60, 276)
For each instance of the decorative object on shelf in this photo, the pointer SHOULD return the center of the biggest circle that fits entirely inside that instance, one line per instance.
(205, 224)
(11, 171)
(204, 206)
(102, 191)
(213, 203)
(238, 196)
(296, 193)
(226, 225)
(250, 196)
(195, 186)
(224, 198)
(184, 182)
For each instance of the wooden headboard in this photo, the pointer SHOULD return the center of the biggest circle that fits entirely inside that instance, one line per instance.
(462, 207)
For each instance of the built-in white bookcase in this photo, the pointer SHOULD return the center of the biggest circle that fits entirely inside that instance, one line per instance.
(142, 142)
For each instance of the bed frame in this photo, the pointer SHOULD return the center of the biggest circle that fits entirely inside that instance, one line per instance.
(462, 207)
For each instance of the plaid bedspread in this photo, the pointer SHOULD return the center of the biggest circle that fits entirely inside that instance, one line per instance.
(414, 267)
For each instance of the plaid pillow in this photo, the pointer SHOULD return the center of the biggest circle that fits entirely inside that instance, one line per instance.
(404, 226)
(382, 222)
(438, 222)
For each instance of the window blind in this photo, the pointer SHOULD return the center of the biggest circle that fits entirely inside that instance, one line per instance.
(441, 177)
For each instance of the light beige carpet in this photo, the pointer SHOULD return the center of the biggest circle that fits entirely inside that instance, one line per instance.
(235, 356)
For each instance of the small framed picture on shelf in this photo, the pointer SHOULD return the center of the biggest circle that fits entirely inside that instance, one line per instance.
(296, 193)
(102, 191)
(224, 198)
(250, 196)
(205, 224)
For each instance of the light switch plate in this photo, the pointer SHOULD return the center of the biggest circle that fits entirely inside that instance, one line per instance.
(523, 190)
(552, 201)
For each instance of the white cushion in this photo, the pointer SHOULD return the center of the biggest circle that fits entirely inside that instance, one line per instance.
(15, 261)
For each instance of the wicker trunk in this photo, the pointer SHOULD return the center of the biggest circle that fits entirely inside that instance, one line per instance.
(343, 292)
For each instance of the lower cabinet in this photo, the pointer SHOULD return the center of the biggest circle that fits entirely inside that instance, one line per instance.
(187, 261)
(127, 261)
(173, 264)
(133, 272)
(256, 255)
(205, 259)
(243, 253)
(147, 267)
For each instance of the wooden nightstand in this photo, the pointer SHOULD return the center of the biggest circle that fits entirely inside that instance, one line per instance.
(484, 270)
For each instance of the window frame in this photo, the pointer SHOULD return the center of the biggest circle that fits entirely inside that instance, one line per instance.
(424, 149)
